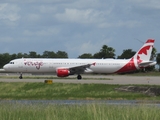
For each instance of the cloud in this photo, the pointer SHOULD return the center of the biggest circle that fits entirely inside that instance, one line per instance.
(47, 9)
(77, 26)
(33, 1)
(87, 16)
(45, 32)
(88, 46)
(34, 17)
(86, 4)
(120, 23)
(154, 4)
(97, 18)
(9, 12)
(6, 39)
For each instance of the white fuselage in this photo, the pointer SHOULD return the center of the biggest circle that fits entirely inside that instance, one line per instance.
(29, 65)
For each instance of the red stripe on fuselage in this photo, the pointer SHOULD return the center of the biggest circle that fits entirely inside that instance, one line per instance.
(130, 66)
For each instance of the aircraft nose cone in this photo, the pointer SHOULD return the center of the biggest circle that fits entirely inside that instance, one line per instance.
(5, 67)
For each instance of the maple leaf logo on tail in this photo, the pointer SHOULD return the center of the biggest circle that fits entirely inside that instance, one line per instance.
(144, 54)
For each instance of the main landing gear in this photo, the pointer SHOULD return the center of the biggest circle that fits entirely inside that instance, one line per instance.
(79, 77)
(21, 77)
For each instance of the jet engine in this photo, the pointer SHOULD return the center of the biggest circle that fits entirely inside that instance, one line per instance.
(63, 72)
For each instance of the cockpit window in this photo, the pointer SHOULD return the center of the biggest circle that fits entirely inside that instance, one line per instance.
(11, 63)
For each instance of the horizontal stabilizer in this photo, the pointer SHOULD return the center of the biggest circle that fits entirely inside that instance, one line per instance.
(147, 63)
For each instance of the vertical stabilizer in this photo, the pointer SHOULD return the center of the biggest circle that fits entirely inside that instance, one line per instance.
(144, 54)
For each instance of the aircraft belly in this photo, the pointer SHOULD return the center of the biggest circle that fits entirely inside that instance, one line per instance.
(105, 69)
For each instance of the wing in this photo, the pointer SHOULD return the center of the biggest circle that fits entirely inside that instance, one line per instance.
(80, 68)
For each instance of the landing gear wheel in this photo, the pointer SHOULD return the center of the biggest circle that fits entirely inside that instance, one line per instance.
(20, 77)
(79, 77)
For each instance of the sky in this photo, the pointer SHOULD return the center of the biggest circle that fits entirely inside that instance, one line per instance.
(77, 26)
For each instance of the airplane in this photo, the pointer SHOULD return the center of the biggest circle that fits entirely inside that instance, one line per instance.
(67, 67)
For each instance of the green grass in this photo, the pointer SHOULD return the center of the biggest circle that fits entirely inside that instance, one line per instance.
(10, 111)
(64, 91)
(61, 91)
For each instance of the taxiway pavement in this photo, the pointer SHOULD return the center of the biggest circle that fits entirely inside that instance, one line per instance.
(97, 79)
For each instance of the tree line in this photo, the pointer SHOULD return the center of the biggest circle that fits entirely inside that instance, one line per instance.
(6, 57)
(104, 52)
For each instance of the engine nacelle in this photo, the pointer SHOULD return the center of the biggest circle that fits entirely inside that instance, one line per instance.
(62, 72)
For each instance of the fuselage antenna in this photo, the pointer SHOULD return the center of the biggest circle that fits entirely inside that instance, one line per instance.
(139, 40)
